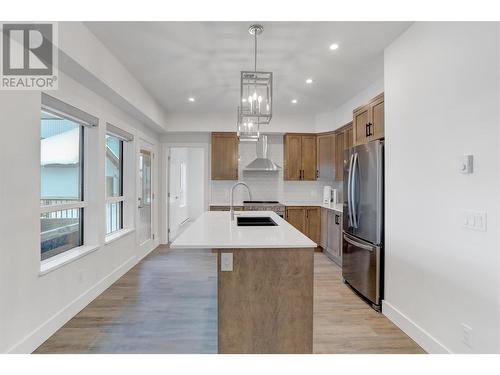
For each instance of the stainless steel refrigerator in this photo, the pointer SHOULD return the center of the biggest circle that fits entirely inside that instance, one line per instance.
(363, 221)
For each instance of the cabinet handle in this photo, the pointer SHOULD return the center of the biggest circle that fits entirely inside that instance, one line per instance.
(370, 128)
(317, 173)
(337, 217)
(367, 126)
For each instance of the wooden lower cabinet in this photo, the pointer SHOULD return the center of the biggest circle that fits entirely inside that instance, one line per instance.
(307, 220)
(331, 234)
(297, 217)
(323, 239)
(313, 223)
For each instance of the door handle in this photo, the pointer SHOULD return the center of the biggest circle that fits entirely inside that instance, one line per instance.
(349, 198)
(358, 244)
(353, 191)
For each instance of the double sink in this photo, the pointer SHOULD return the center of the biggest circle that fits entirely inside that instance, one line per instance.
(255, 221)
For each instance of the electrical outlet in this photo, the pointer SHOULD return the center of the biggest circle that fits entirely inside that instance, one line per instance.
(475, 220)
(226, 262)
(466, 335)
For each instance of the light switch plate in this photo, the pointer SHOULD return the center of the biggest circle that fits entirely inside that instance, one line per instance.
(226, 262)
(475, 220)
(466, 163)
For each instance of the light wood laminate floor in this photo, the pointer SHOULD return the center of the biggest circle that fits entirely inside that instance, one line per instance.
(168, 304)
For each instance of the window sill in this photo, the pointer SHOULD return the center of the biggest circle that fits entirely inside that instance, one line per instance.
(69, 256)
(117, 235)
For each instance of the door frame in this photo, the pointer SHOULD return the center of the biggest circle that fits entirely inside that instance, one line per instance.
(165, 186)
(148, 144)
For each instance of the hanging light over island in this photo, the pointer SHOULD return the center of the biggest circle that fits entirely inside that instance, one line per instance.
(256, 89)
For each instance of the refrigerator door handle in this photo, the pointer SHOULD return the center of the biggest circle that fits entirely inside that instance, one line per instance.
(349, 192)
(353, 191)
(358, 244)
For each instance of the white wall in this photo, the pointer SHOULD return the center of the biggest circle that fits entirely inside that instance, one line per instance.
(292, 122)
(442, 101)
(34, 306)
(196, 181)
(338, 117)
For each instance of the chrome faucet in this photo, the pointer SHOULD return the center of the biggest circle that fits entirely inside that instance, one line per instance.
(231, 205)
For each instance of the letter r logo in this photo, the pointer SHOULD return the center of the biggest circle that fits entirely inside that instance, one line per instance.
(27, 49)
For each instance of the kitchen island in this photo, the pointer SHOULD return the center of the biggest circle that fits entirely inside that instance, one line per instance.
(265, 282)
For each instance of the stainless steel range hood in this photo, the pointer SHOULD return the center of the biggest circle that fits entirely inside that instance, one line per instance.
(262, 162)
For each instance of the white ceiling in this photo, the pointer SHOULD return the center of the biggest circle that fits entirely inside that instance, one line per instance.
(176, 60)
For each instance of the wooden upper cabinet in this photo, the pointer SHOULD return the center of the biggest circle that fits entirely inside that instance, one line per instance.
(225, 154)
(361, 118)
(300, 156)
(293, 157)
(348, 137)
(368, 121)
(325, 148)
(309, 169)
(339, 155)
(377, 117)
(313, 224)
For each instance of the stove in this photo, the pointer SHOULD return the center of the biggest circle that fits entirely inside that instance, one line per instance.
(275, 206)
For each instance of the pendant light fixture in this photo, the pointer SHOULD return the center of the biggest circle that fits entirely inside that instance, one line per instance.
(256, 90)
(247, 129)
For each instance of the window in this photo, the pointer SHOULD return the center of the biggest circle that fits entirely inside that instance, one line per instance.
(114, 184)
(61, 170)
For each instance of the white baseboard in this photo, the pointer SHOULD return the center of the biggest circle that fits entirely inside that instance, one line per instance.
(47, 329)
(417, 333)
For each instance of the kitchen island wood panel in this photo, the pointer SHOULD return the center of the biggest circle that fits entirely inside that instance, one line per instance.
(265, 305)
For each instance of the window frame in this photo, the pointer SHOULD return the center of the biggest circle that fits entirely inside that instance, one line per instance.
(118, 199)
(80, 205)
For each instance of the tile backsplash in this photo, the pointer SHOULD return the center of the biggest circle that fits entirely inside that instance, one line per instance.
(269, 185)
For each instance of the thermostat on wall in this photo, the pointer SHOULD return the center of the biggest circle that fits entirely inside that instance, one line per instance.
(466, 164)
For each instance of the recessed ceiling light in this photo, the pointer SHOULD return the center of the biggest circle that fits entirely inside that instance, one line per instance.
(294, 101)
(191, 99)
(334, 46)
(309, 80)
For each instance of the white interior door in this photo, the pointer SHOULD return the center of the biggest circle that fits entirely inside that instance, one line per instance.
(178, 201)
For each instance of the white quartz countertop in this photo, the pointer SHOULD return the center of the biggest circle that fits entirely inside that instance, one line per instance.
(332, 206)
(215, 230)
